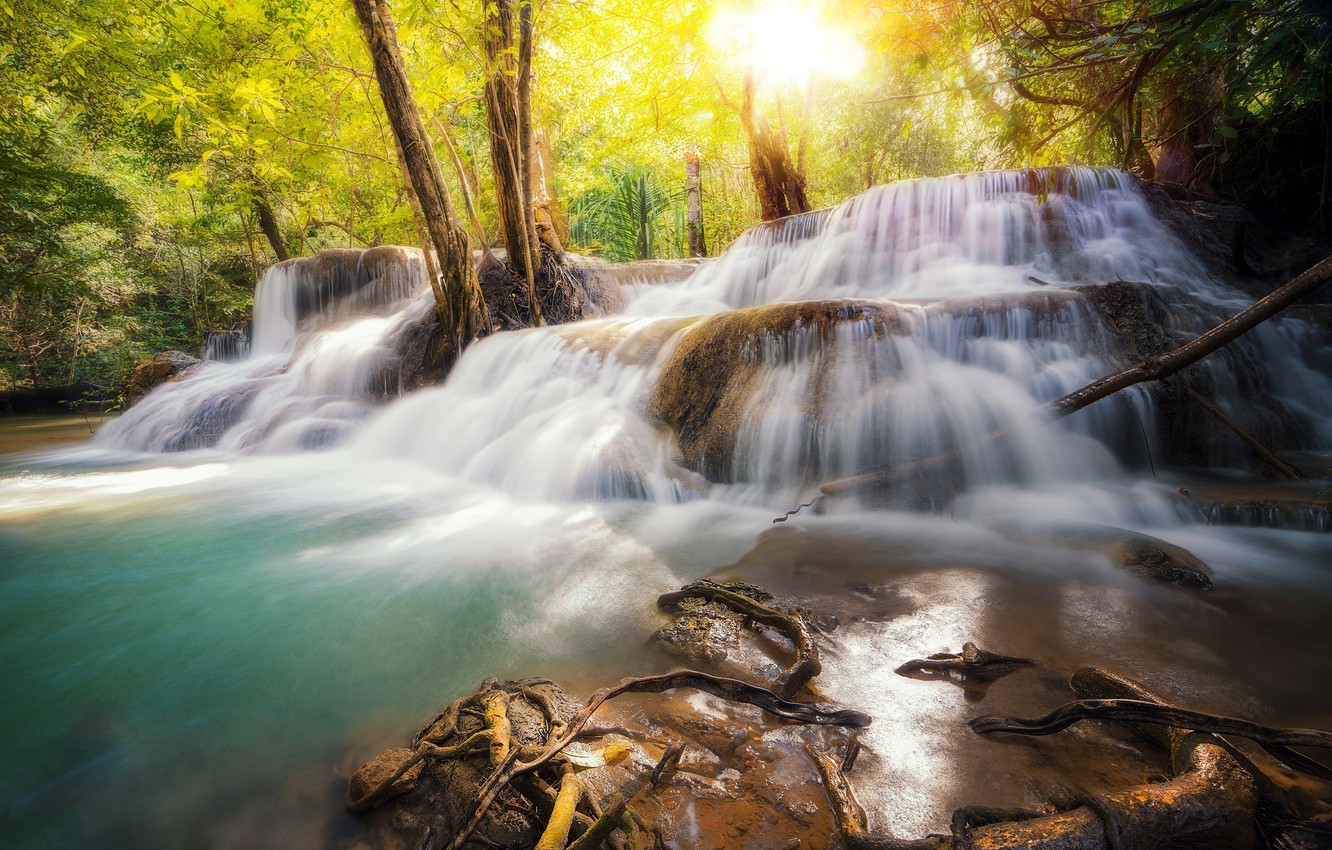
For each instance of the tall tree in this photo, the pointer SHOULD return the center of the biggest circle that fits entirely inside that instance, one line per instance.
(509, 118)
(457, 292)
(780, 187)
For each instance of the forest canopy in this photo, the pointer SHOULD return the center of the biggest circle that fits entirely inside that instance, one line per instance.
(156, 157)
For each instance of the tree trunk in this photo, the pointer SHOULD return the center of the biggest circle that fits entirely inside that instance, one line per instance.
(525, 153)
(268, 224)
(694, 206)
(781, 191)
(502, 116)
(457, 293)
(544, 201)
(78, 338)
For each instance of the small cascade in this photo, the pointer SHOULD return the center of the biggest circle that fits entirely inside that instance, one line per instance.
(321, 360)
(225, 346)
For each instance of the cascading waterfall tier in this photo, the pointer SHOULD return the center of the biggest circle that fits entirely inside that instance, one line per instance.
(321, 357)
(918, 318)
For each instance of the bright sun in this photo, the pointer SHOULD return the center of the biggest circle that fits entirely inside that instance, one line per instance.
(785, 42)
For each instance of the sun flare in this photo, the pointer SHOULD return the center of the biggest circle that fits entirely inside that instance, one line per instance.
(786, 42)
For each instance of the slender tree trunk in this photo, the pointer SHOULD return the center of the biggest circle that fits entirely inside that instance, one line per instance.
(525, 153)
(465, 184)
(505, 136)
(1325, 223)
(268, 224)
(694, 205)
(545, 193)
(781, 191)
(78, 334)
(423, 237)
(458, 294)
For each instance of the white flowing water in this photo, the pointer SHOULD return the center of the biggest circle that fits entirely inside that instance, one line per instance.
(264, 566)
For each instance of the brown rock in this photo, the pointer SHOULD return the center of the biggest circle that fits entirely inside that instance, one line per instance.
(375, 771)
(157, 370)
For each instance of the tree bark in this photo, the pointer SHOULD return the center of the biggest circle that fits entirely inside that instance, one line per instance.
(694, 205)
(781, 190)
(458, 294)
(502, 116)
(544, 201)
(533, 260)
(268, 224)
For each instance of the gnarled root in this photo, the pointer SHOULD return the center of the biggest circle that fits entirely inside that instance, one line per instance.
(806, 665)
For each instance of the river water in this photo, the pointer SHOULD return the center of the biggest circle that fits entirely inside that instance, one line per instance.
(260, 576)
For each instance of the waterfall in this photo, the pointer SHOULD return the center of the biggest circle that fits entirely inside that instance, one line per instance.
(918, 318)
(321, 358)
(295, 555)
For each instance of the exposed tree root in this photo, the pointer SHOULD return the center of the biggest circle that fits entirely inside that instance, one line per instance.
(616, 811)
(1211, 802)
(807, 664)
(730, 689)
(1277, 742)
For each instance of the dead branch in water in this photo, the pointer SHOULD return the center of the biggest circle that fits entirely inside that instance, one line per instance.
(1153, 368)
(1276, 742)
(1282, 468)
(971, 664)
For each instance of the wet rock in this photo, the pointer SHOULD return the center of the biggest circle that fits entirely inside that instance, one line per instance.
(425, 354)
(604, 283)
(708, 383)
(439, 793)
(1159, 561)
(1141, 554)
(158, 370)
(381, 767)
(700, 631)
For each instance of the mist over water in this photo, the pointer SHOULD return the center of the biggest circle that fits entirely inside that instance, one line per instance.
(263, 572)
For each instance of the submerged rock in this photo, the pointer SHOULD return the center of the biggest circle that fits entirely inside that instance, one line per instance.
(1158, 561)
(1140, 554)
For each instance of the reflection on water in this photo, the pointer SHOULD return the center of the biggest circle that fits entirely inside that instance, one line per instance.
(42, 431)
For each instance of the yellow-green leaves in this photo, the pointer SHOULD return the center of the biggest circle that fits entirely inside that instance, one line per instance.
(258, 95)
(172, 101)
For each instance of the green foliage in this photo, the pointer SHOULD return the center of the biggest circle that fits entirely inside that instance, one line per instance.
(635, 217)
(137, 142)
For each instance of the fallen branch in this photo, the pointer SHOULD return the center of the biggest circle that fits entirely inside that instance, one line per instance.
(1274, 740)
(1282, 468)
(807, 664)
(972, 664)
(1153, 368)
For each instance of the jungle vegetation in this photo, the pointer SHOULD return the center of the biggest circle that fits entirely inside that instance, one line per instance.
(156, 157)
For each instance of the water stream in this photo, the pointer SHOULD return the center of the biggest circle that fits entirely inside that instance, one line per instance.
(265, 572)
